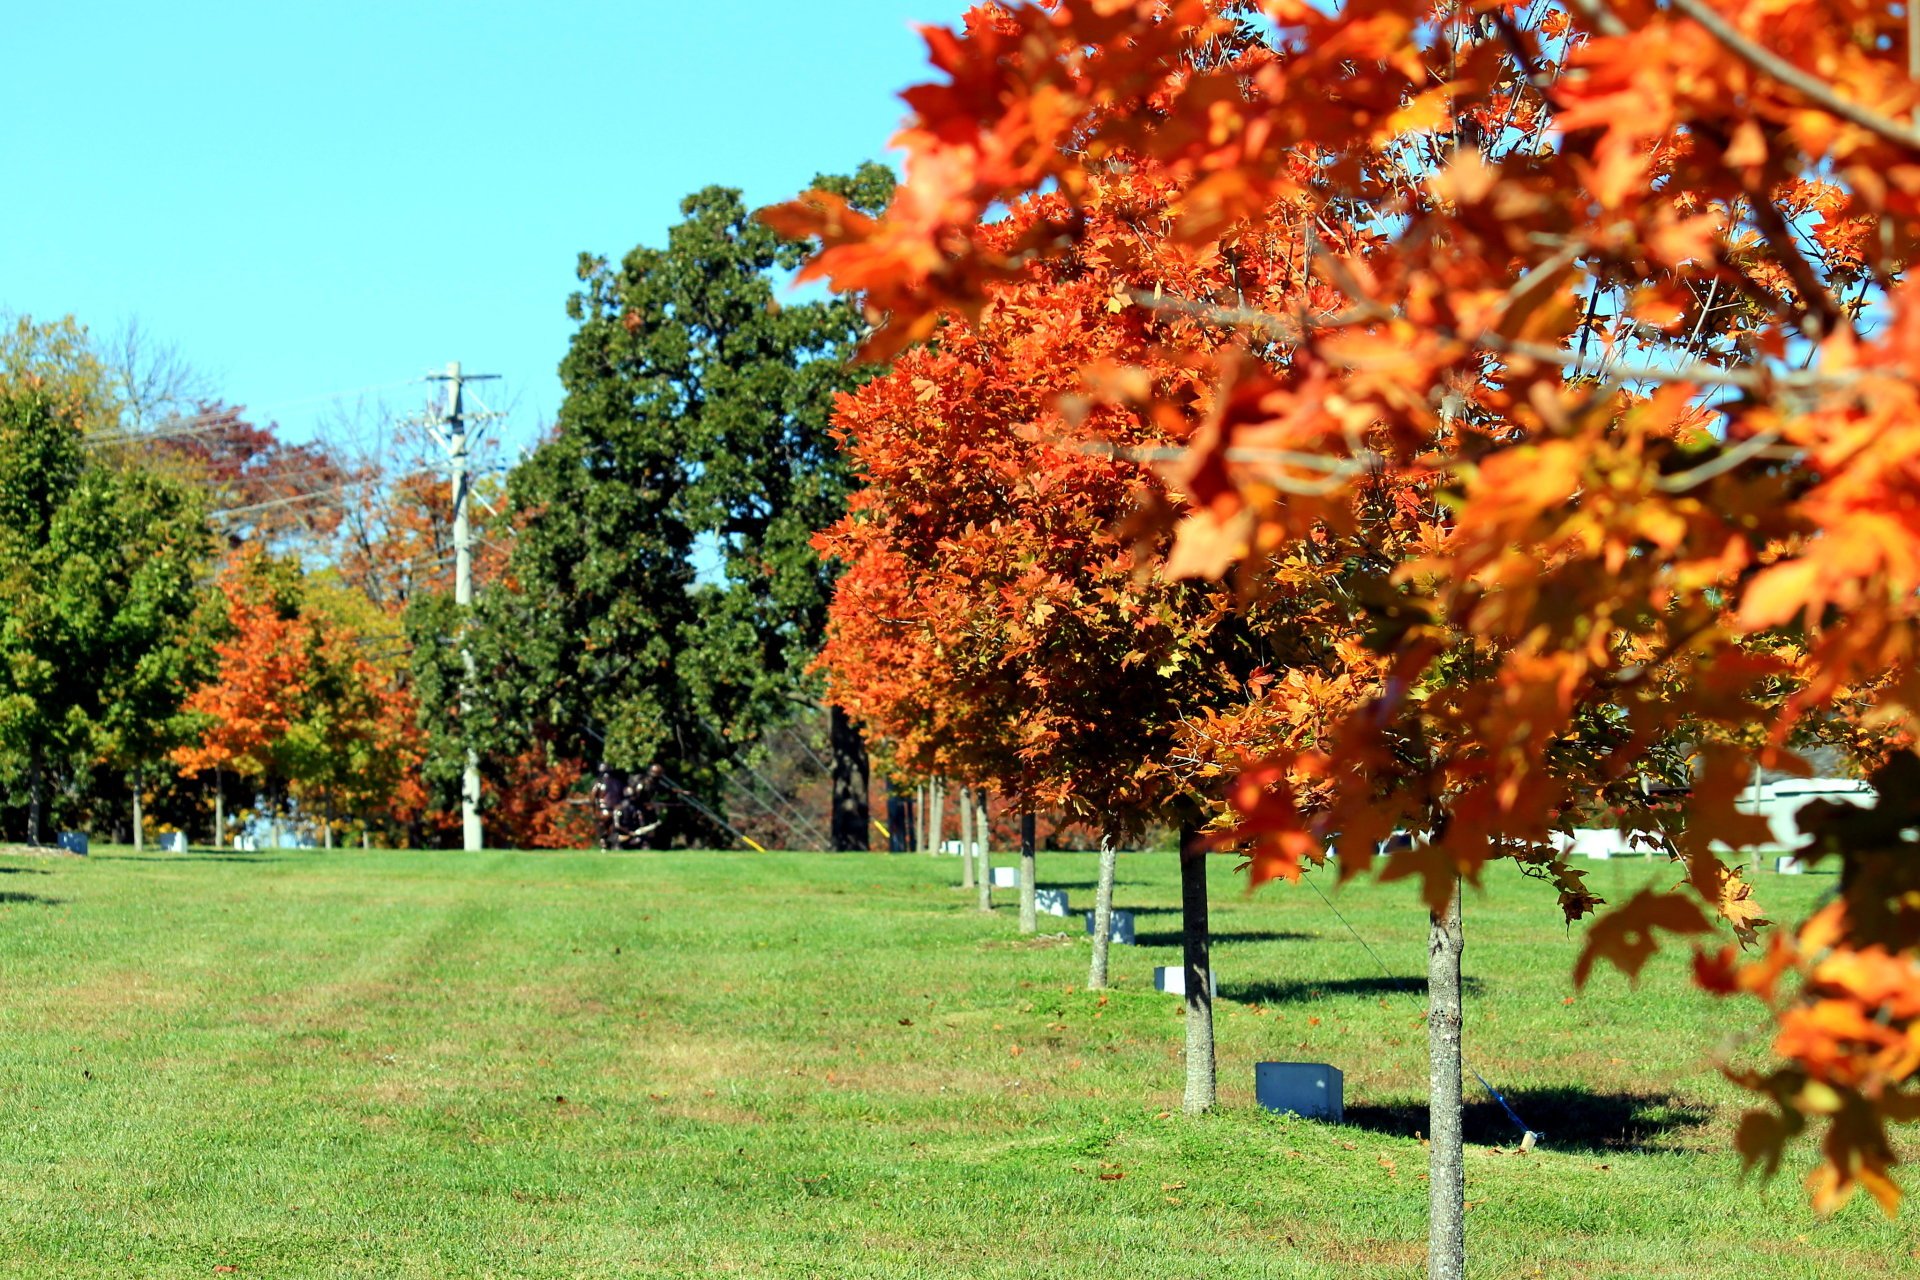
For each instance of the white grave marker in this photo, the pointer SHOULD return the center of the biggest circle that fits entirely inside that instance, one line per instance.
(1006, 877)
(74, 842)
(1788, 865)
(1172, 979)
(1050, 902)
(1119, 927)
(173, 842)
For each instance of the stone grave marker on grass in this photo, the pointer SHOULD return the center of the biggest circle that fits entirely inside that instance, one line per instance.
(1120, 928)
(1309, 1089)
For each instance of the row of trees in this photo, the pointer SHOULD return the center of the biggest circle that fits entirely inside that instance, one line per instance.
(1339, 419)
(207, 621)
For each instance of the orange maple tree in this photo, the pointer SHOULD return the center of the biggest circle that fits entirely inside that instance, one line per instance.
(297, 705)
(1593, 332)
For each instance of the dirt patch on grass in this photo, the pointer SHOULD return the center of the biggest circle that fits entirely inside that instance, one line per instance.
(108, 997)
(325, 1006)
(36, 851)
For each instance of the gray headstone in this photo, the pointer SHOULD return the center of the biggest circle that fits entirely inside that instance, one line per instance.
(74, 842)
(1050, 902)
(1120, 927)
(1172, 979)
(1309, 1089)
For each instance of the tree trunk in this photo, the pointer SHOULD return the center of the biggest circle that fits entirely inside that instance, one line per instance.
(983, 870)
(219, 812)
(1029, 922)
(926, 816)
(1199, 972)
(966, 837)
(326, 819)
(1446, 1158)
(1103, 912)
(850, 818)
(937, 818)
(139, 818)
(34, 784)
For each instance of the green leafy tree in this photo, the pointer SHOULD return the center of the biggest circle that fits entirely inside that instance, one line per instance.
(99, 571)
(664, 600)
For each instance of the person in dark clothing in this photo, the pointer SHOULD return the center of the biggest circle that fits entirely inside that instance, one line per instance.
(628, 808)
(609, 798)
(648, 798)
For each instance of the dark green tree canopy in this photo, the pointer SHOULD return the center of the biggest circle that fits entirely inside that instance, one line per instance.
(663, 596)
(99, 606)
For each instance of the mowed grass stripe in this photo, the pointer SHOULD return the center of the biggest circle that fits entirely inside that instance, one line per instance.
(407, 1064)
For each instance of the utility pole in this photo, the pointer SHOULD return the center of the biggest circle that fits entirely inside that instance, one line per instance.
(457, 443)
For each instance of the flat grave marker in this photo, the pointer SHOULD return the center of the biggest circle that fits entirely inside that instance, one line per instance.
(1119, 927)
(1172, 979)
(1312, 1090)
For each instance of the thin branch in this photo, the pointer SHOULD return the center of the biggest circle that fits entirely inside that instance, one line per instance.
(1807, 85)
(1719, 465)
(1706, 375)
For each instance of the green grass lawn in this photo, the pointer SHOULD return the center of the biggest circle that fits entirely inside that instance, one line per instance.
(299, 1064)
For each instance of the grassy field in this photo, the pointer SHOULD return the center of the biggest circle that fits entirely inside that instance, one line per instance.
(296, 1064)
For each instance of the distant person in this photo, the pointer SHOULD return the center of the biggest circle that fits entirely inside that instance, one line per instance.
(609, 798)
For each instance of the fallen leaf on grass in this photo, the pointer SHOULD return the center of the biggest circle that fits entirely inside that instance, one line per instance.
(1173, 1186)
(906, 1022)
(1114, 1176)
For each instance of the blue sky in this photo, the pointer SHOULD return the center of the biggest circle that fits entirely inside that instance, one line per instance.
(307, 198)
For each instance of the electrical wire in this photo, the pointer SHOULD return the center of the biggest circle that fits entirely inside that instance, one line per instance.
(1529, 1134)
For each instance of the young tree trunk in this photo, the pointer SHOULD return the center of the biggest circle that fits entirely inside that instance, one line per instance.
(1446, 1158)
(966, 838)
(1102, 912)
(850, 818)
(33, 795)
(326, 819)
(219, 813)
(1029, 921)
(937, 818)
(139, 818)
(983, 869)
(1199, 972)
(924, 799)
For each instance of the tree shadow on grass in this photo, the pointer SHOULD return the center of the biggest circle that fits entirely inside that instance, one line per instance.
(8, 899)
(1569, 1118)
(1174, 937)
(24, 871)
(1289, 991)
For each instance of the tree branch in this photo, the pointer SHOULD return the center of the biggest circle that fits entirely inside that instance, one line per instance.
(1807, 85)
